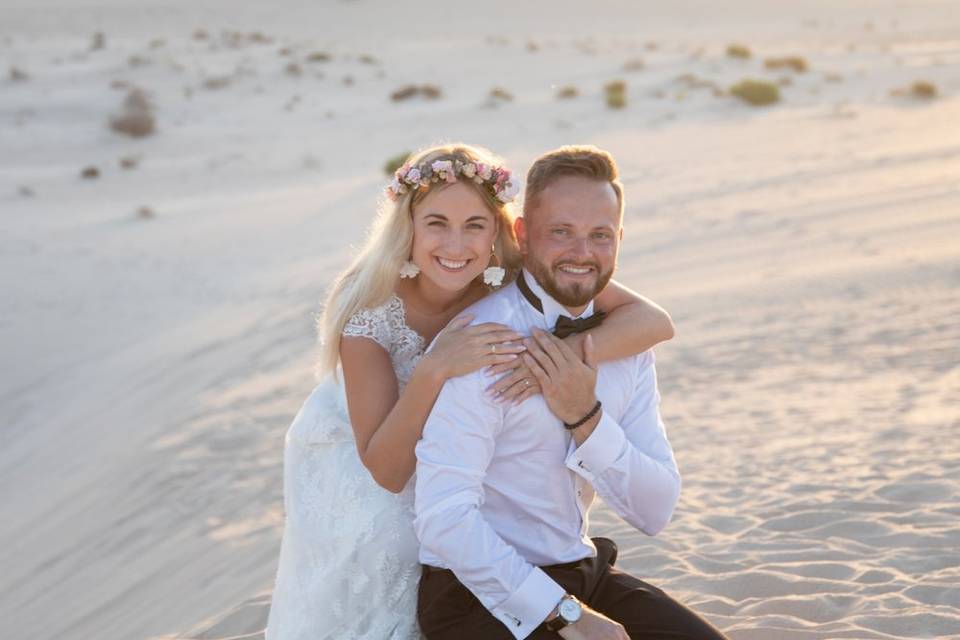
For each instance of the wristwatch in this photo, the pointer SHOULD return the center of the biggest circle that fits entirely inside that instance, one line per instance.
(567, 612)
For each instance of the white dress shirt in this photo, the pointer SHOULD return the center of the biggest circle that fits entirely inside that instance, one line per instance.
(500, 490)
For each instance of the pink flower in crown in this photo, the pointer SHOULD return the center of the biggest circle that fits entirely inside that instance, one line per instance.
(502, 175)
(413, 176)
(508, 191)
(485, 171)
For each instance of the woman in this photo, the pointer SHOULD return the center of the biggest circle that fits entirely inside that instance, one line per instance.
(348, 564)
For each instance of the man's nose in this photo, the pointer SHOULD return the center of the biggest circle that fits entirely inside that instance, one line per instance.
(580, 247)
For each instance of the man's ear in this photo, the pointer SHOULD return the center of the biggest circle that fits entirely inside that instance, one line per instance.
(520, 229)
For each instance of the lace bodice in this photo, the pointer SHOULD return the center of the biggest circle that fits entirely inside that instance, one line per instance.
(387, 326)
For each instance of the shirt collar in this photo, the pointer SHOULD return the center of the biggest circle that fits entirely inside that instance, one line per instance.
(551, 308)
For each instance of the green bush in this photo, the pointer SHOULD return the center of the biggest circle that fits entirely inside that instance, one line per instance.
(756, 92)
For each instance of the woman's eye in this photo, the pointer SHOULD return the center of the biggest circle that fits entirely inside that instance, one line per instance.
(435, 223)
(476, 226)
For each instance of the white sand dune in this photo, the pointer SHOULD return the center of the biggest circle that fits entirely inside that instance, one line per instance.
(807, 251)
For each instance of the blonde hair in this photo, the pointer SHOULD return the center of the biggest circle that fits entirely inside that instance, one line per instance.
(372, 277)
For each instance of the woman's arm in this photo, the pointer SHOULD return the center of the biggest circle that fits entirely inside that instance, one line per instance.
(633, 324)
(388, 424)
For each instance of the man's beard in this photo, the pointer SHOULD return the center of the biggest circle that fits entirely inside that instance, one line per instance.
(573, 295)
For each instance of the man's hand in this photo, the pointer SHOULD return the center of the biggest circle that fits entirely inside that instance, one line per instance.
(568, 383)
(593, 625)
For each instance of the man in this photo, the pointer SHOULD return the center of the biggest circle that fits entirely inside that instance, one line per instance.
(503, 493)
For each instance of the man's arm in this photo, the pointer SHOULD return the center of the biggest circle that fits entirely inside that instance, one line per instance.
(631, 463)
(452, 459)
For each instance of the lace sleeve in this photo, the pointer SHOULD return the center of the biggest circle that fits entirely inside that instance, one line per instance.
(372, 324)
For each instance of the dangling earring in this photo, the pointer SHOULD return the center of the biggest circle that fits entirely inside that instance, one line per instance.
(493, 275)
(409, 270)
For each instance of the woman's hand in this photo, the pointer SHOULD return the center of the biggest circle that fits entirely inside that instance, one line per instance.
(460, 349)
(516, 385)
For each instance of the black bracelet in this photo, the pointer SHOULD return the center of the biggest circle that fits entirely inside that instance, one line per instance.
(582, 420)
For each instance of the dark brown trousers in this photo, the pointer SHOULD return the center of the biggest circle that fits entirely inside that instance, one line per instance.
(447, 610)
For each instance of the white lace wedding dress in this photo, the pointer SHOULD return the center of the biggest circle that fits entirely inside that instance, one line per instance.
(348, 562)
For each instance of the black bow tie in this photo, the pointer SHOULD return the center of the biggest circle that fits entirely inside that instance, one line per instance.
(565, 325)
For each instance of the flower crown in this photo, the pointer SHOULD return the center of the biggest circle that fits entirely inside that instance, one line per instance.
(497, 179)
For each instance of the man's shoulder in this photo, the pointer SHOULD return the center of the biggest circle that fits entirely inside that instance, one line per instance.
(500, 306)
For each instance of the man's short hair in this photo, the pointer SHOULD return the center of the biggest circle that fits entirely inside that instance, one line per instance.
(573, 160)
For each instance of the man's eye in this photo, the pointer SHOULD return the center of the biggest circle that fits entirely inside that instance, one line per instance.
(601, 236)
(559, 232)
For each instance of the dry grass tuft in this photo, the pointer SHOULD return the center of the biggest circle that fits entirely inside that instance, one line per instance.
(366, 58)
(794, 63)
(756, 92)
(634, 64)
(146, 213)
(129, 162)
(137, 118)
(90, 173)
(499, 93)
(18, 75)
(568, 92)
(319, 56)
(615, 93)
(741, 51)
(395, 162)
(293, 69)
(98, 41)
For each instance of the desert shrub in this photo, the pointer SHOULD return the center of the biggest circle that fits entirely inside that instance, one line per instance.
(738, 51)
(756, 92)
(615, 93)
(137, 118)
(923, 89)
(395, 162)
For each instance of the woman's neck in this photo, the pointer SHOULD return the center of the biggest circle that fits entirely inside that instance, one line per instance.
(431, 299)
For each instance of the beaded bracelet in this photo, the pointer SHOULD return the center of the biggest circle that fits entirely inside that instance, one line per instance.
(581, 421)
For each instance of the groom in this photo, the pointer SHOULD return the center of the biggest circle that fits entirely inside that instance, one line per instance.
(503, 493)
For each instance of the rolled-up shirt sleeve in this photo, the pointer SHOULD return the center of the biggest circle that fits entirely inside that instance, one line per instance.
(452, 460)
(630, 462)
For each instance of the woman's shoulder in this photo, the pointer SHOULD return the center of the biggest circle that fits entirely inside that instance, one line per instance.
(379, 323)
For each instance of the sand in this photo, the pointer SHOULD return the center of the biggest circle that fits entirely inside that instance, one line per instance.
(806, 250)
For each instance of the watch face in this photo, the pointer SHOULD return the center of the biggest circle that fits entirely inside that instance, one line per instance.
(570, 610)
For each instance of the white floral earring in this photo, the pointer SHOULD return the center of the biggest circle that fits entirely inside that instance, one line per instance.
(493, 275)
(409, 270)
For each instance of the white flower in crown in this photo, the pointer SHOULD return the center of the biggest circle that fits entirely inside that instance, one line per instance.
(395, 185)
(493, 276)
(485, 171)
(469, 170)
(413, 176)
(444, 168)
(509, 191)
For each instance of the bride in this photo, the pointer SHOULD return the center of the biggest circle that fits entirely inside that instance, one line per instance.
(348, 562)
